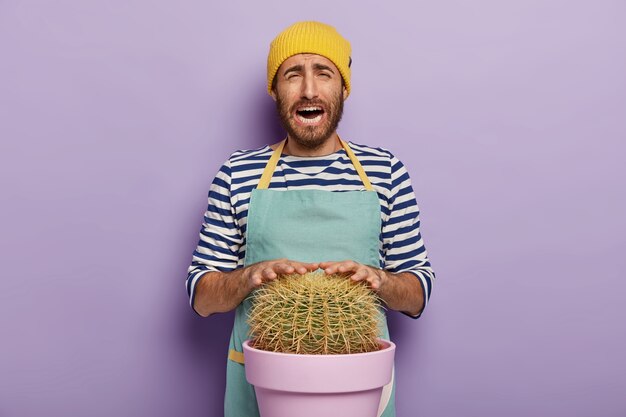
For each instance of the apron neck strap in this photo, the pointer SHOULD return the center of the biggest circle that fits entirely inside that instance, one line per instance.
(264, 182)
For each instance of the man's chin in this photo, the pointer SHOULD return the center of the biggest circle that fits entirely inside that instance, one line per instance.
(310, 139)
(310, 142)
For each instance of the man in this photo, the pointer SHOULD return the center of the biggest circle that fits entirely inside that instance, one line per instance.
(277, 210)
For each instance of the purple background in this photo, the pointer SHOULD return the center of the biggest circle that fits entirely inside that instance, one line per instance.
(114, 119)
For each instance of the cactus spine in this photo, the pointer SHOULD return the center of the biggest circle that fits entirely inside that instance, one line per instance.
(314, 313)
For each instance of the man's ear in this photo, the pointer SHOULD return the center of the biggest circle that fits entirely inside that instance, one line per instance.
(345, 93)
(273, 94)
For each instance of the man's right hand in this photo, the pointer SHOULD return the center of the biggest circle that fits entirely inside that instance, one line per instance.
(218, 292)
(266, 271)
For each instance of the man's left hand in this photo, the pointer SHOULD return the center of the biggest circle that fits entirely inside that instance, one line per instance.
(375, 278)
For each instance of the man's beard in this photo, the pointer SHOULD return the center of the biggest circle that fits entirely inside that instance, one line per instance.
(311, 137)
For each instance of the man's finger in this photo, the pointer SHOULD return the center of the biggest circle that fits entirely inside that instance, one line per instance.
(284, 268)
(269, 273)
(330, 269)
(256, 279)
(347, 266)
(375, 283)
(301, 269)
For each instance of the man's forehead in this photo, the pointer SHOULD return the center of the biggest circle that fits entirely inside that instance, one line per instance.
(300, 59)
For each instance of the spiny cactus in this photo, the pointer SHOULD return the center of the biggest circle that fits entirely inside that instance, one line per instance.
(314, 313)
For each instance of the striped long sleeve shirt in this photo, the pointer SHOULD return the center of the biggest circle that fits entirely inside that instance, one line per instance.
(222, 243)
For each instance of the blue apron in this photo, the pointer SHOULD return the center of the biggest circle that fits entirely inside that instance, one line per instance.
(306, 226)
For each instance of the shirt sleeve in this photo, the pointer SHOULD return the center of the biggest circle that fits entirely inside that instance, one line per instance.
(403, 247)
(220, 235)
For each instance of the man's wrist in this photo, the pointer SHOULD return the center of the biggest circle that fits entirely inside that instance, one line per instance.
(244, 280)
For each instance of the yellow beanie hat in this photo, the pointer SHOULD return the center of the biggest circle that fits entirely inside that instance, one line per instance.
(313, 38)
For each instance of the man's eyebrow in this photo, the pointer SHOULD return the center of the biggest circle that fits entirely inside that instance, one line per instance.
(322, 67)
(317, 67)
(295, 68)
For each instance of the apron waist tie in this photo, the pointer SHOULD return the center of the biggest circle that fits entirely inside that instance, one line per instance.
(235, 356)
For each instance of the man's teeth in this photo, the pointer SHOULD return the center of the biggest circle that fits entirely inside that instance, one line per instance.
(314, 120)
(309, 120)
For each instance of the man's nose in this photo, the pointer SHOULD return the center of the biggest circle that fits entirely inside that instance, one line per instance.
(309, 87)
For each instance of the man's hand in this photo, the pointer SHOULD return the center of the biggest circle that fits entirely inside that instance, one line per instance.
(262, 272)
(375, 278)
(400, 291)
(218, 292)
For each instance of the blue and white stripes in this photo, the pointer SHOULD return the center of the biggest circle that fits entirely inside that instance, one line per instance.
(222, 243)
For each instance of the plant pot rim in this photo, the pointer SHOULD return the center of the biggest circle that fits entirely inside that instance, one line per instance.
(386, 344)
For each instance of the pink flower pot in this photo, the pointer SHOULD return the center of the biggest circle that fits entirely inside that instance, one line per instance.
(289, 385)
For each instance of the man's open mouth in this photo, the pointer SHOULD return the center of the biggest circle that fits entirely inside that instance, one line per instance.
(309, 115)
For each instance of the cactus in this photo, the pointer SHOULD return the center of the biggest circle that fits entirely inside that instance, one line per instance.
(314, 313)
